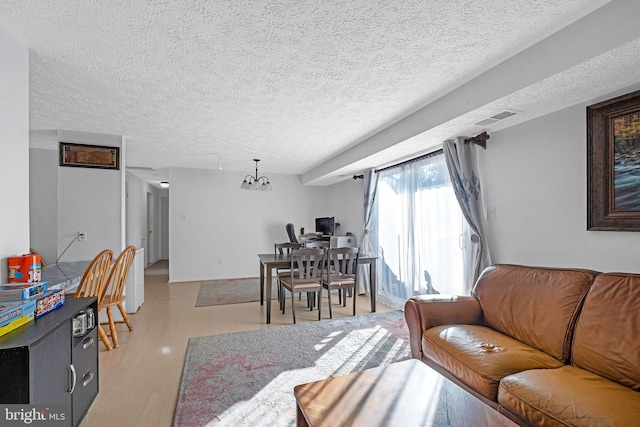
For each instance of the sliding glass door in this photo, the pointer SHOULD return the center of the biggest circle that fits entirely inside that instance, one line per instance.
(421, 232)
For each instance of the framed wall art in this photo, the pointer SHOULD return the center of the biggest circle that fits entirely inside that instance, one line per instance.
(89, 156)
(613, 164)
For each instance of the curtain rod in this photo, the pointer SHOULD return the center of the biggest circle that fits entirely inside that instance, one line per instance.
(415, 159)
(480, 140)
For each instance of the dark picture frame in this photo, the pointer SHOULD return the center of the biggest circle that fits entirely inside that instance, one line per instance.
(613, 164)
(89, 156)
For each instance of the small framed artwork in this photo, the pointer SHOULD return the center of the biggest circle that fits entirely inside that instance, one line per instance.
(613, 164)
(89, 156)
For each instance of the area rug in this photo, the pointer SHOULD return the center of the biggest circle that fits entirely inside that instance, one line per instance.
(247, 378)
(231, 291)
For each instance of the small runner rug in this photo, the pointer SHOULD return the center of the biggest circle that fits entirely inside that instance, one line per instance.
(247, 378)
(231, 291)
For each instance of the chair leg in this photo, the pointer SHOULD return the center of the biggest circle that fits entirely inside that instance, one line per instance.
(112, 327)
(104, 338)
(293, 308)
(329, 297)
(354, 301)
(125, 317)
(319, 303)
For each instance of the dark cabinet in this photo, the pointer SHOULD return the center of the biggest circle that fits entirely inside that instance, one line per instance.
(43, 363)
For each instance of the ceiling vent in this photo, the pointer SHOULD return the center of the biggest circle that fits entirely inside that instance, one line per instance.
(496, 117)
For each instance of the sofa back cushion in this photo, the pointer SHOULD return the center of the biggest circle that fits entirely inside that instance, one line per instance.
(607, 333)
(535, 305)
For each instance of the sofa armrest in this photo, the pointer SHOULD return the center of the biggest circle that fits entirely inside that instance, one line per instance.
(423, 312)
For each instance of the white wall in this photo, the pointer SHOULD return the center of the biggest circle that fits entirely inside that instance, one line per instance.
(14, 144)
(346, 203)
(68, 200)
(135, 207)
(534, 176)
(43, 172)
(217, 229)
(92, 201)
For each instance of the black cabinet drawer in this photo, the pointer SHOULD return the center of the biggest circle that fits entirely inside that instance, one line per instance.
(85, 361)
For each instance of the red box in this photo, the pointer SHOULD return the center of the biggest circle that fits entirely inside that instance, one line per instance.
(25, 268)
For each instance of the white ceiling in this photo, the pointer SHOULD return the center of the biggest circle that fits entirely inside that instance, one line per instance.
(312, 87)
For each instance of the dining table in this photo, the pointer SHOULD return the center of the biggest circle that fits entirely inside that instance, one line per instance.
(269, 262)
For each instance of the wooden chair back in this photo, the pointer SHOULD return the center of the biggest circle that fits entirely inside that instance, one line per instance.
(115, 284)
(342, 263)
(95, 276)
(309, 264)
(34, 252)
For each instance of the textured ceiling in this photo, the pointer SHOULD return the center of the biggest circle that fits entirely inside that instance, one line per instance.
(193, 82)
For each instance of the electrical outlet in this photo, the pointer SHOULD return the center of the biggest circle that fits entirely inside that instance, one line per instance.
(82, 236)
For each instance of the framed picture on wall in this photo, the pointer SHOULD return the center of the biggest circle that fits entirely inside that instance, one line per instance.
(613, 164)
(89, 156)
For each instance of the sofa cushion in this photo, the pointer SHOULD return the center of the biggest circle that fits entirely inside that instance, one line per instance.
(568, 396)
(607, 334)
(480, 357)
(535, 305)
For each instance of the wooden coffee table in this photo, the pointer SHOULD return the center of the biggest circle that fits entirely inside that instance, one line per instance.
(407, 393)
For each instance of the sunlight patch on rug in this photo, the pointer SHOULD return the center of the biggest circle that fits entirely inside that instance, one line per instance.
(247, 378)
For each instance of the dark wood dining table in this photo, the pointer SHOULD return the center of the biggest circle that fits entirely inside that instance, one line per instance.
(268, 262)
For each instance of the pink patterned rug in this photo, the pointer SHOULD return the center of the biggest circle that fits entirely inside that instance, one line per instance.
(247, 378)
(230, 291)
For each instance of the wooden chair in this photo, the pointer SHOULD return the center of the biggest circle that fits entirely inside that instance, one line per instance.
(341, 274)
(282, 249)
(92, 284)
(307, 268)
(34, 252)
(112, 294)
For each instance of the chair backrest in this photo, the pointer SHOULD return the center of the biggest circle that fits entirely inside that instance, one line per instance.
(291, 232)
(309, 264)
(286, 248)
(34, 252)
(95, 276)
(115, 284)
(342, 262)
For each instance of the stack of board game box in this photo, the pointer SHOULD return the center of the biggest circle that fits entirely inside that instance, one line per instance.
(20, 303)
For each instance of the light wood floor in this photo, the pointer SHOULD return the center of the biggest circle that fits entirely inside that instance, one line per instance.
(139, 380)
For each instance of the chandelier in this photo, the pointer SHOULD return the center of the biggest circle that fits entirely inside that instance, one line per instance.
(256, 183)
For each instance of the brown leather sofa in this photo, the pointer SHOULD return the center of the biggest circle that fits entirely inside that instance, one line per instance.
(544, 346)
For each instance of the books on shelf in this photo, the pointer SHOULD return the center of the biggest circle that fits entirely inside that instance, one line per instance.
(22, 291)
(15, 324)
(11, 310)
(50, 301)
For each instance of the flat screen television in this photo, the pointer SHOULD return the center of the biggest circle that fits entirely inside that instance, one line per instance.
(325, 225)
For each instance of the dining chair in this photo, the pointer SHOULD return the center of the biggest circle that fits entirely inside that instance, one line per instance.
(113, 293)
(284, 249)
(341, 274)
(305, 275)
(34, 252)
(92, 284)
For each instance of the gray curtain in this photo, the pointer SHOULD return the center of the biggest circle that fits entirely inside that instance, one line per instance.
(370, 225)
(465, 178)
